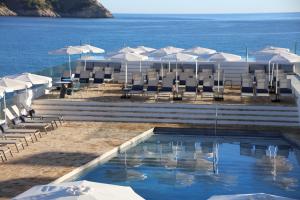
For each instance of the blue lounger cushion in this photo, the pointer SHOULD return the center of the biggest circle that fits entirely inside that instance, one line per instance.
(166, 89)
(207, 89)
(77, 76)
(190, 89)
(107, 76)
(98, 80)
(220, 83)
(84, 80)
(262, 91)
(182, 82)
(137, 88)
(247, 89)
(200, 82)
(152, 88)
(285, 91)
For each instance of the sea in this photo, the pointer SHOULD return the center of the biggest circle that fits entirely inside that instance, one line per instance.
(26, 41)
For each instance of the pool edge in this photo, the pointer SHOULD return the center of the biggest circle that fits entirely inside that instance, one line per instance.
(105, 156)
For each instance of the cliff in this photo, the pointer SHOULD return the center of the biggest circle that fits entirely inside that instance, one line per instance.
(54, 8)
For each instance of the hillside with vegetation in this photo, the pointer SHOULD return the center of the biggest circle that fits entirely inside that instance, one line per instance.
(54, 8)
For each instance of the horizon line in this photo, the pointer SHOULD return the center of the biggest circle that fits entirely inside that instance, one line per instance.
(217, 13)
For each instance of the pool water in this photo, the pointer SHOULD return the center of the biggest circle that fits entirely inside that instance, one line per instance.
(198, 166)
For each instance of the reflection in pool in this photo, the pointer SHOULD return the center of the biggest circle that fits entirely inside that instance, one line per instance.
(198, 166)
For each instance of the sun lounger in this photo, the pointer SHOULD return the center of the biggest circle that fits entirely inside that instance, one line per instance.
(285, 87)
(34, 133)
(65, 76)
(99, 77)
(26, 119)
(183, 78)
(25, 137)
(191, 87)
(137, 87)
(77, 71)
(84, 77)
(167, 87)
(208, 88)
(219, 75)
(32, 114)
(18, 123)
(108, 74)
(151, 75)
(4, 150)
(152, 88)
(16, 143)
(97, 69)
(247, 89)
(262, 88)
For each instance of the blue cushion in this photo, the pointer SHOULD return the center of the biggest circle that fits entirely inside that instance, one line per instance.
(285, 91)
(152, 88)
(247, 90)
(98, 80)
(137, 87)
(182, 82)
(200, 82)
(84, 80)
(77, 75)
(207, 89)
(190, 89)
(166, 89)
(262, 91)
(220, 83)
(107, 76)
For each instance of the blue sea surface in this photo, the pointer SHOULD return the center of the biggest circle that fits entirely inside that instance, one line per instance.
(25, 41)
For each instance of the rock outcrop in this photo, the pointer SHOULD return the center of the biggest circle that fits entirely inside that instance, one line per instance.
(54, 8)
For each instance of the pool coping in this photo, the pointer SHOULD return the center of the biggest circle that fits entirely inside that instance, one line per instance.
(104, 157)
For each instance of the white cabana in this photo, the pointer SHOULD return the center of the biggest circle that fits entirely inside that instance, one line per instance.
(84, 190)
(41, 84)
(69, 50)
(22, 90)
(257, 196)
(164, 52)
(180, 57)
(129, 57)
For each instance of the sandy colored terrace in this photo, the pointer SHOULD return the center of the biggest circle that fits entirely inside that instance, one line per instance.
(60, 152)
(113, 92)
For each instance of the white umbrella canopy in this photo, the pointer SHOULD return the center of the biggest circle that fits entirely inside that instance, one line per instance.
(224, 57)
(69, 50)
(129, 57)
(257, 196)
(130, 50)
(274, 49)
(180, 57)
(33, 79)
(164, 52)
(267, 53)
(145, 49)
(80, 190)
(14, 85)
(200, 51)
(91, 49)
(285, 58)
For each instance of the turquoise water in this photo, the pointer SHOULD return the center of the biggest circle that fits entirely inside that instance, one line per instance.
(24, 42)
(192, 167)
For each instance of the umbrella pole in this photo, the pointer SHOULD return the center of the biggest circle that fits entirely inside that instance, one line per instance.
(140, 66)
(126, 78)
(218, 78)
(176, 78)
(196, 69)
(269, 71)
(276, 79)
(70, 66)
(4, 104)
(84, 64)
(169, 66)
(272, 74)
(162, 69)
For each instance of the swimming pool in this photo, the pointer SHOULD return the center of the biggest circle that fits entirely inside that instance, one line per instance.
(197, 166)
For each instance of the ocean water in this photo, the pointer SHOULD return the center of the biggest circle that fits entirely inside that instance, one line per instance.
(25, 42)
(195, 167)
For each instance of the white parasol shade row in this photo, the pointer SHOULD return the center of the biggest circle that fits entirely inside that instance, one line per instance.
(80, 190)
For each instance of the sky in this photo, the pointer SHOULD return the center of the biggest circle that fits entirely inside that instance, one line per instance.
(201, 6)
